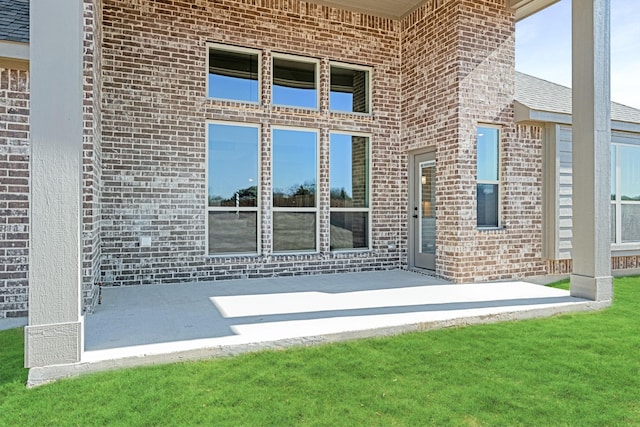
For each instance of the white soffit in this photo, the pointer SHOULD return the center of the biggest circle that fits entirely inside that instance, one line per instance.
(396, 9)
(526, 8)
(393, 9)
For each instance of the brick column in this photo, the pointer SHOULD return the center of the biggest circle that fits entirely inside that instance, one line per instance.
(591, 244)
(55, 332)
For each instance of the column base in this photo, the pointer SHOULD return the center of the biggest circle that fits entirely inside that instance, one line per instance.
(53, 344)
(592, 288)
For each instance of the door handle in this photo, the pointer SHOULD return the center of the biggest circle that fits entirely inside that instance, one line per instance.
(415, 216)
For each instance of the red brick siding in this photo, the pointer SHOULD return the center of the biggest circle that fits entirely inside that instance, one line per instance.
(14, 192)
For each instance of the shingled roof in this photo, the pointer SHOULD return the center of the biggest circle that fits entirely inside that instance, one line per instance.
(14, 20)
(541, 95)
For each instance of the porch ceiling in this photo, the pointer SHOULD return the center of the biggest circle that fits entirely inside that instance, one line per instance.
(397, 9)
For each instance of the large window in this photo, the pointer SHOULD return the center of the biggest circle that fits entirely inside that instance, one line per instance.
(295, 81)
(488, 170)
(349, 191)
(296, 164)
(234, 73)
(295, 171)
(350, 87)
(625, 194)
(232, 188)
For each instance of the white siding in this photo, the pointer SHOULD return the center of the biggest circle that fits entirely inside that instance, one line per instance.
(558, 179)
(564, 175)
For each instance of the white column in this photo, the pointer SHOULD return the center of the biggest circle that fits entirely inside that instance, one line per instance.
(55, 334)
(591, 276)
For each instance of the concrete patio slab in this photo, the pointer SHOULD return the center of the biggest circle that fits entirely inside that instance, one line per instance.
(13, 322)
(143, 325)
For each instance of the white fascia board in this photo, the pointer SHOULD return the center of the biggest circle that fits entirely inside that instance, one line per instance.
(625, 126)
(14, 50)
(524, 113)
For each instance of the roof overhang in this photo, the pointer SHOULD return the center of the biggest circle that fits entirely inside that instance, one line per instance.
(526, 8)
(14, 55)
(524, 114)
(398, 9)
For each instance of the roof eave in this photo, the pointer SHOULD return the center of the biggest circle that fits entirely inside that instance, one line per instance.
(14, 55)
(525, 114)
(526, 8)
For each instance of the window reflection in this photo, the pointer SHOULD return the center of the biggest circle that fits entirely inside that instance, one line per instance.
(233, 165)
(349, 90)
(294, 83)
(294, 168)
(232, 189)
(233, 75)
(349, 175)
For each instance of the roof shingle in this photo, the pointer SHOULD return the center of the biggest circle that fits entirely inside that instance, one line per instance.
(542, 95)
(14, 20)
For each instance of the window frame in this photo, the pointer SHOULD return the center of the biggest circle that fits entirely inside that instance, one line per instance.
(618, 245)
(497, 182)
(303, 59)
(315, 209)
(257, 208)
(369, 91)
(234, 49)
(368, 210)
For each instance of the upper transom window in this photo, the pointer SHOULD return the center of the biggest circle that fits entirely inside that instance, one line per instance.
(295, 81)
(234, 73)
(350, 89)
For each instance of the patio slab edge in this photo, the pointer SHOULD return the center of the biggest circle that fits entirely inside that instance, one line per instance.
(43, 375)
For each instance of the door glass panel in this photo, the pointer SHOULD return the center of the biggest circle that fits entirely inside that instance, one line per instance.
(427, 208)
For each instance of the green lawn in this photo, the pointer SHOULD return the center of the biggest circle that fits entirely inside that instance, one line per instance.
(577, 369)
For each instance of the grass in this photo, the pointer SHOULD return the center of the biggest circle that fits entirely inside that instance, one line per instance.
(576, 369)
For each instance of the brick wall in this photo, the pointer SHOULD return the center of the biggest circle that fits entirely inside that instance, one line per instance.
(458, 72)
(14, 177)
(430, 110)
(14, 189)
(145, 115)
(92, 153)
(155, 109)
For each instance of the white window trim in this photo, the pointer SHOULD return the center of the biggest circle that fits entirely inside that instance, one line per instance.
(315, 209)
(369, 183)
(257, 208)
(498, 182)
(369, 86)
(619, 245)
(236, 49)
(303, 59)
